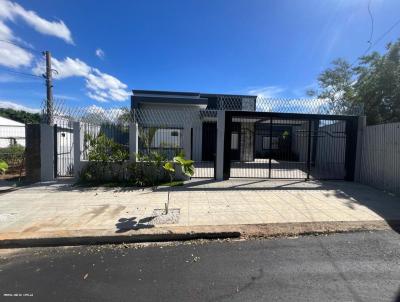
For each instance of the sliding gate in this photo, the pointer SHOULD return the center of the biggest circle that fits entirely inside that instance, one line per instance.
(289, 146)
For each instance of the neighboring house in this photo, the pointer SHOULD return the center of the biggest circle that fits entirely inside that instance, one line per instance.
(11, 133)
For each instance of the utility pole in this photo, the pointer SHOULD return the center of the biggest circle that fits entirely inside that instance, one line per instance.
(49, 89)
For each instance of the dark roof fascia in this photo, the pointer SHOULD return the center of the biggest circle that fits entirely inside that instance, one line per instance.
(207, 95)
(157, 92)
(184, 93)
(138, 100)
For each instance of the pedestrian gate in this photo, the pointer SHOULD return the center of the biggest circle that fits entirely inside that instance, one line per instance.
(63, 150)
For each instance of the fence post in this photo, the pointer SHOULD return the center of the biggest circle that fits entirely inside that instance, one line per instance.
(46, 153)
(77, 148)
(362, 125)
(186, 144)
(219, 173)
(133, 140)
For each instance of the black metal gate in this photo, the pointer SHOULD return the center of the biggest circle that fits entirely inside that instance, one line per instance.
(289, 146)
(63, 150)
(203, 151)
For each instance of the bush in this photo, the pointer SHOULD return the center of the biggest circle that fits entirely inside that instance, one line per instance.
(13, 155)
(148, 170)
(106, 159)
(3, 167)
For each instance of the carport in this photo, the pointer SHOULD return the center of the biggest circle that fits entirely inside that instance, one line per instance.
(272, 145)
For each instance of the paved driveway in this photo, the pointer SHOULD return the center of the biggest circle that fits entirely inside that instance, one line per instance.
(60, 207)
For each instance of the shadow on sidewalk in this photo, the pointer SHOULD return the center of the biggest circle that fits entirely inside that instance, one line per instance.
(128, 224)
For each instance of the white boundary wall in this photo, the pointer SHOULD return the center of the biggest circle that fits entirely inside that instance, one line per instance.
(380, 157)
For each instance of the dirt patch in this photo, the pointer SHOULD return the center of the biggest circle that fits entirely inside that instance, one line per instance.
(311, 228)
(161, 218)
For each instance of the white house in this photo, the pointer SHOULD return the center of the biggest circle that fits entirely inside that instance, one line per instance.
(11, 132)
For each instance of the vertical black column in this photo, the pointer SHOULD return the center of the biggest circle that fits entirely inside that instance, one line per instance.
(351, 148)
(55, 151)
(270, 148)
(314, 142)
(191, 143)
(309, 150)
(227, 145)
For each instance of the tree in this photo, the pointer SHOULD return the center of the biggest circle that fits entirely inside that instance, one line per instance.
(373, 83)
(337, 89)
(378, 85)
(20, 116)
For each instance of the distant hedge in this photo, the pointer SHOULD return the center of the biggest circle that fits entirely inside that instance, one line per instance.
(20, 116)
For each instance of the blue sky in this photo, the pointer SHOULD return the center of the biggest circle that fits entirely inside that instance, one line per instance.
(275, 48)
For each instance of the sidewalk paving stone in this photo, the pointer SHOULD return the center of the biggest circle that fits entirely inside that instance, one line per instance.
(60, 207)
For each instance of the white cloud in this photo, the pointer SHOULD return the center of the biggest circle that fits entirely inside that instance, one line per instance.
(65, 69)
(65, 97)
(96, 112)
(14, 56)
(104, 86)
(100, 53)
(270, 99)
(101, 86)
(16, 106)
(266, 91)
(10, 11)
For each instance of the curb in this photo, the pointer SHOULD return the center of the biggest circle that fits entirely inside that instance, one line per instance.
(113, 239)
(182, 233)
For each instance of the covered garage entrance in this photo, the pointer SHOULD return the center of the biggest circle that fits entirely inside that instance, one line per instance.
(289, 146)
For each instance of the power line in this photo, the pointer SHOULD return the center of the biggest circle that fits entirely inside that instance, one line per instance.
(386, 32)
(372, 23)
(20, 73)
(378, 40)
(19, 45)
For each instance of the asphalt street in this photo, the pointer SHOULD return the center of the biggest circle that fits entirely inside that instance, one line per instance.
(341, 267)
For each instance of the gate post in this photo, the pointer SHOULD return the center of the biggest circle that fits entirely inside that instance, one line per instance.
(40, 158)
(47, 152)
(133, 141)
(219, 167)
(77, 148)
(186, 144)
(351, 147)
(362, 125)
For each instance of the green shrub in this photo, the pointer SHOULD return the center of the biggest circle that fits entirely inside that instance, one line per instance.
(106, 159)
(147, 170)
(13, 155)
(3, 167)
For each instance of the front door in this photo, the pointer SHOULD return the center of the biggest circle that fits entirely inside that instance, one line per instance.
(209, 145)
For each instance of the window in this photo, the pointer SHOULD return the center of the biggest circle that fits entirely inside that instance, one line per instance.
(266, 140)
(12, 141)
(234, 141)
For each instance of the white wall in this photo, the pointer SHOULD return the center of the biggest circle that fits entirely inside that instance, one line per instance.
(11, 131)
(380, 157)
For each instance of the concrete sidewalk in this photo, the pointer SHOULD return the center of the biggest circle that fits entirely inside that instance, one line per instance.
(58, 210)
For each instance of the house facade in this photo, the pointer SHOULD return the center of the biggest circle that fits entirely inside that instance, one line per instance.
(175, 122)
(173, 132)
